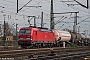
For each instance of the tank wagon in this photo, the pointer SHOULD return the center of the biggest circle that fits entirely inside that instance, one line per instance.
(42, 37)
(85, 40)
(66, 36)
(62, 35)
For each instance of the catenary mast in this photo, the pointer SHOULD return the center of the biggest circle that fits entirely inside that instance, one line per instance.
(51, 17)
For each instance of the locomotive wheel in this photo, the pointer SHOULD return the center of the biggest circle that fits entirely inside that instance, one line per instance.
(42, 45)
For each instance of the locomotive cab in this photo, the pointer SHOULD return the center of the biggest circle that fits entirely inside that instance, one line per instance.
(25, 36)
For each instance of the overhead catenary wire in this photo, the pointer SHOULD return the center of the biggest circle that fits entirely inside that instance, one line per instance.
(65, 4)
(34, 4)
(5, 0)
(82, 4)
(83, 20)
(47, 11)
(8, 9)
(74, 9)
(12, 13)
(17, 14)
(25, 5)
(60, 21)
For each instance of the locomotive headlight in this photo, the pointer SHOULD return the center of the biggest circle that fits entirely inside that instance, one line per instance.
(21, 39)
(28, 38)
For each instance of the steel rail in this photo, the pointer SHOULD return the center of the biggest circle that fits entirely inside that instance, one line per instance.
(28, 52)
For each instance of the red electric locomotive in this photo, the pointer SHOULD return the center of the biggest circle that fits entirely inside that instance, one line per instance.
(35, 36)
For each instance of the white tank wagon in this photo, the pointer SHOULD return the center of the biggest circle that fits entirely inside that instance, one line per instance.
(62, 35)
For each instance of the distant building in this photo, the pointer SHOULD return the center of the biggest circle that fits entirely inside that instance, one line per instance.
(9, 38)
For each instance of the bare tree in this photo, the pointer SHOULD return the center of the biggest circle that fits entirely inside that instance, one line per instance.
(10, 30)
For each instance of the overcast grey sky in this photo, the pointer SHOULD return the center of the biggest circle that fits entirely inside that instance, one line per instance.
(59, 6)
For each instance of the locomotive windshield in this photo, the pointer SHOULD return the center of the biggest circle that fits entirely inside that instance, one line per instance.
(25, 31)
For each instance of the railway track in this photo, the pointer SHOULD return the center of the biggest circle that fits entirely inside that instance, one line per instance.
(2, 48)
(43, 51)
